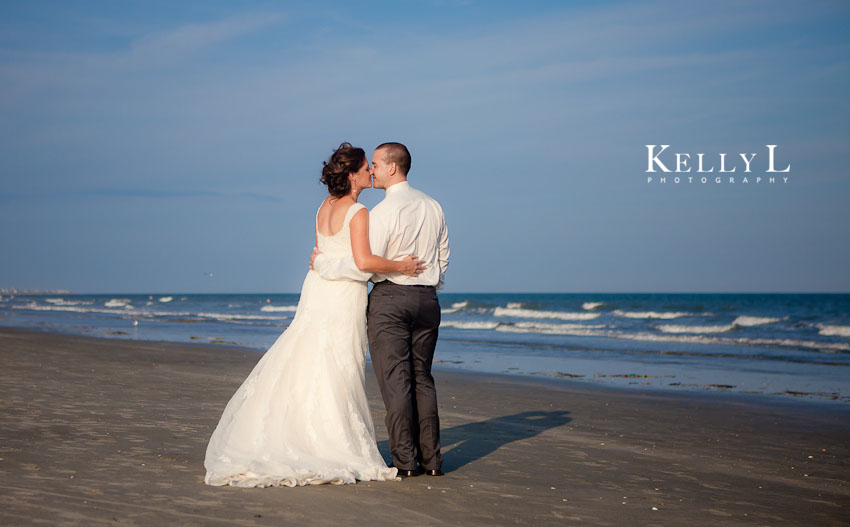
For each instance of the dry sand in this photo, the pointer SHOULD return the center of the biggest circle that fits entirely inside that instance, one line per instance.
(113, 432)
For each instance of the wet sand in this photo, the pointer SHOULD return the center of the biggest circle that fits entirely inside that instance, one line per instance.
(113, 432)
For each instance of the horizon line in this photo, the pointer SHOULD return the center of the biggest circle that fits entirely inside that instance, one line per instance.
(151, 293)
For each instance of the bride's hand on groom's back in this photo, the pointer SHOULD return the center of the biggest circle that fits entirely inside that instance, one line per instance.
(412, 265)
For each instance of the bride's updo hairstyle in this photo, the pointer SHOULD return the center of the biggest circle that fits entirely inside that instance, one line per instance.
(344, 160)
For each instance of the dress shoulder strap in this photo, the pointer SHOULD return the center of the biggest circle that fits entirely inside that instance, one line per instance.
(317, 215)
(352, 210)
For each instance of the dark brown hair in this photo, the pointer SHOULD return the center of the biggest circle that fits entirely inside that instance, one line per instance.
(396, 153)
(345, 160)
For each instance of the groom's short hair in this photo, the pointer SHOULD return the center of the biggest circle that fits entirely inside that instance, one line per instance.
(396, 153)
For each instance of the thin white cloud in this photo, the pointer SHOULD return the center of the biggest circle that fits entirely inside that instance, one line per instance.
(26, 74)
(178, 44)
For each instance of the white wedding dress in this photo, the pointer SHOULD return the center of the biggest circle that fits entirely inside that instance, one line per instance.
(301, 417)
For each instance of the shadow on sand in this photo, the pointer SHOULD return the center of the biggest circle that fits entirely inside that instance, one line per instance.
(474, 441)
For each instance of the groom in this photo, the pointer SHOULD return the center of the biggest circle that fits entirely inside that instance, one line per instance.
(403, 314)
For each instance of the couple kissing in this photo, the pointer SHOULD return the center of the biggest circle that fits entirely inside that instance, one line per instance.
(301, 416)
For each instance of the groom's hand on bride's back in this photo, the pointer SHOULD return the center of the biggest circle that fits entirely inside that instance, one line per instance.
(316, 252)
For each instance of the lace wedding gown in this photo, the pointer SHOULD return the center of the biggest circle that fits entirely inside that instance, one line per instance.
(301, 417)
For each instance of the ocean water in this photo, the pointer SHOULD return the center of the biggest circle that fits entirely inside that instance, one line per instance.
(789, 345)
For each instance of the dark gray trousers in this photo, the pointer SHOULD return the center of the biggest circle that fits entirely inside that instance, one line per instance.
(403, 322)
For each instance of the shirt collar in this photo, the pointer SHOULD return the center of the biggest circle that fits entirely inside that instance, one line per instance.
(404, 185)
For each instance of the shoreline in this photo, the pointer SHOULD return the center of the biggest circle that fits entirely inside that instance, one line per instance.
(697, 389)
(100, 431)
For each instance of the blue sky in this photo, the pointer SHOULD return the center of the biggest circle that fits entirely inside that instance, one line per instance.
(144, 145)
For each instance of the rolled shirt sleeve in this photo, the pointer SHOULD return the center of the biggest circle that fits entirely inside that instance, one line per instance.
(339, 269)
(444, 253)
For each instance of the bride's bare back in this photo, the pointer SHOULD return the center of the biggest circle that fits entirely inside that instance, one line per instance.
(332, 215)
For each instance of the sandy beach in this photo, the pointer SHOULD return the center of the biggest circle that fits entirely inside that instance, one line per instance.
(113, 432)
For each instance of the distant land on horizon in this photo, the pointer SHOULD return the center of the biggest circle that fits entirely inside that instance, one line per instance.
(13, 291)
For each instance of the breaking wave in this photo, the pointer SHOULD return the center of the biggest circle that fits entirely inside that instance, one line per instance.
(673, 328)
(834, 331)
(652, 314)
(747, 321)
(457, 306)
(533, 313)
(63, 302)
(468, 325)
(278, 308)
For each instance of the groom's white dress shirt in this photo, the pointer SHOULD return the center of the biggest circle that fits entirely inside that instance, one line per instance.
(406, 221)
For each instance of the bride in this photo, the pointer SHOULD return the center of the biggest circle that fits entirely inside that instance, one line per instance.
(301, 417)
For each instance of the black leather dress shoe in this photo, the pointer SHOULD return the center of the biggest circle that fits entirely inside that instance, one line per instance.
(408, 473)
(434, 472)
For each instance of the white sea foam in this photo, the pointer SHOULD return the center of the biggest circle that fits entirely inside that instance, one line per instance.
(525, 327)
(834, 331)
(63, 302)
(118, 302)
(166, 299)
(533, 313)
(457, 306)
(741, 321)
(35, 307)
(77, 309)
(744, 320)
(552, 329)
(468, 324)
(278, 308)
(590, 306)
(652, 314)
(828, 347)
(673, 328)
(546, 325)
(822, 346)
(564, 330)
(514, 305)
(130, 310)
(227, 317)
